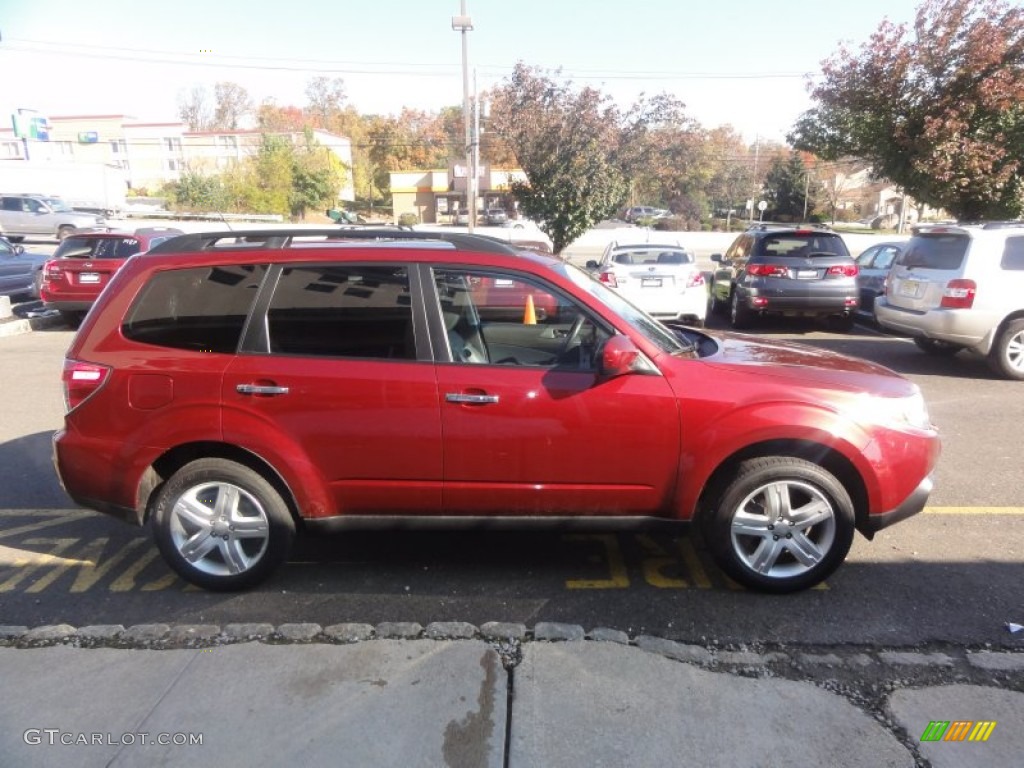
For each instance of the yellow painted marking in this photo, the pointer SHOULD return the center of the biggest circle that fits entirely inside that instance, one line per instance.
(616, 564)
(693, 564)
(58, 546)
(973, 511)
(660, 559)
(33, 527)
(126, 581)
(100, 567)
(958, 730)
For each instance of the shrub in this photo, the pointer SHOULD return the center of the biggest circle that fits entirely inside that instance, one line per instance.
(408, 219)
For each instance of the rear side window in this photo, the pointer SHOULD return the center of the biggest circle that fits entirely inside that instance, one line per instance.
(938, 251)
(1013, 253)
(342, 311)
(97, 248)
(201, 309)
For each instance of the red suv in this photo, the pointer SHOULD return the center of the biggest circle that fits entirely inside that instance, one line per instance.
(246, 386)
(85, 261)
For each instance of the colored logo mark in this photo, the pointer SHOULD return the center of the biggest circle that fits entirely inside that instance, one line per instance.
(958, 730)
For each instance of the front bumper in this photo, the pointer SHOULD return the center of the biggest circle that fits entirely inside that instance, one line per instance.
(909, 507)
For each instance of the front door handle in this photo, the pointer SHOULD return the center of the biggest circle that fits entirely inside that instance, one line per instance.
(459, 397)
(260, 389)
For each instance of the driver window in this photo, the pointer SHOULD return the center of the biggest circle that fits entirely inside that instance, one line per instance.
(505, 319)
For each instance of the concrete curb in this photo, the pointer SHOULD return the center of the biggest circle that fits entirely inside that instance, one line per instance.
(742, 660)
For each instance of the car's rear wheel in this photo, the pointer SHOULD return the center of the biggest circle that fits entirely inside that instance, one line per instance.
(936, 347)
(781, 524)
(739, 315)
(221, 525)
(64, 232)
(73, 318)
(718, 306)
(1007, 355)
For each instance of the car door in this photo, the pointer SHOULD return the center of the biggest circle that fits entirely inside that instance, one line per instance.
(333, 377)
(528, 426)
(13, 216)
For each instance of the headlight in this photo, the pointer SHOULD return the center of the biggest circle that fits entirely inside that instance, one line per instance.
(898, 412)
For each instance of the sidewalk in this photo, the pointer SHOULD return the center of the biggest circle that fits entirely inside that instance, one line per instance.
(465, 702)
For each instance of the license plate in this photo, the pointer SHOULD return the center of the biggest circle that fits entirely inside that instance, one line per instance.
(89, 277)
(806, 274)
(910, 288)
(650, 282)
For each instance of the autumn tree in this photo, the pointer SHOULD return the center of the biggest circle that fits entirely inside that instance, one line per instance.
(937, 108)
(565, 142)
(194, 108)
(231, 105)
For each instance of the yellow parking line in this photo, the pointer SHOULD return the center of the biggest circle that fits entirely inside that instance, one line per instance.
(974, 510)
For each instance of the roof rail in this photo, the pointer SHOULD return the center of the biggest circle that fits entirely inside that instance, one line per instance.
(1001, 224)
(283, 238)
(764, 226)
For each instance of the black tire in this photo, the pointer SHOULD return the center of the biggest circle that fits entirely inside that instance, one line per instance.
(1007, 355)
(15, 238)
(185, 522)
(739, 315)
(64, 231)
(757, 550)
(936, 347)
(37, 284)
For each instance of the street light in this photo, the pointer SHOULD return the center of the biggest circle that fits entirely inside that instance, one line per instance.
(463, 23)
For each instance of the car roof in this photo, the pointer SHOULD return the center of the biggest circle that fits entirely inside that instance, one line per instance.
(297, 245)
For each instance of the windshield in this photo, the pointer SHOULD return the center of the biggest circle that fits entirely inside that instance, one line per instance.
(58, 205)
(650, 328)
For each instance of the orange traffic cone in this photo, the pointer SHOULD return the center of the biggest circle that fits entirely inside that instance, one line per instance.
(529, 313)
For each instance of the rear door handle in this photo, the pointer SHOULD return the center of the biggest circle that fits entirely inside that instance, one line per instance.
(260, 389)
(458, 397)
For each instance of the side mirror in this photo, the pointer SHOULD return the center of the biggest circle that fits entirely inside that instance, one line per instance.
(593, 266)
(620, 356)
(717, 258)
(19, 249)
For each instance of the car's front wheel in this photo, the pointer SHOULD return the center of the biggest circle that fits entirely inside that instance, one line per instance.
(221, 525)
(65, 231)
(781, 524)
(1007, 356)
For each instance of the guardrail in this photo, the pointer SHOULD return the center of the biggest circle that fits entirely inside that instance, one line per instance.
(184, 216)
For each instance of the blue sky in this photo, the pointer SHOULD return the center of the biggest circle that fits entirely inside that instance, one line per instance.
(739, 62)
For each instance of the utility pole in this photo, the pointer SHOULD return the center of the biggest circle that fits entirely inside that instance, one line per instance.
(463, 23)
(757, 152)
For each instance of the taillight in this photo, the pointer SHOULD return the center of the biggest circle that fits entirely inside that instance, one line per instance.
(81, 380)
(767, 270)
(959, 294)
(696, 279)
(609, 279)
(52, 271)
(843, 270)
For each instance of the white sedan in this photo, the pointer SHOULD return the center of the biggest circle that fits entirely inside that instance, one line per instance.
(662, 280)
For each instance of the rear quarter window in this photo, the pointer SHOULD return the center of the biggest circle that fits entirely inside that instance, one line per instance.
(201, 309)
(938, 251)
(97, 248)
(1013, 254)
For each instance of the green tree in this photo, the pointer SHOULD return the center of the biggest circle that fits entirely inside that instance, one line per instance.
(785, 186)
(565, 141)
(938, 109)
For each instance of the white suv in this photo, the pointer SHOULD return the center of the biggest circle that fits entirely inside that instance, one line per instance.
(961, 287)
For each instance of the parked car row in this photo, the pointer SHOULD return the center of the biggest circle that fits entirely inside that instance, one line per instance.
(494, 217)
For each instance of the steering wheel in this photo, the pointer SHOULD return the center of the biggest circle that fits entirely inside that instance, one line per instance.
(571, 335)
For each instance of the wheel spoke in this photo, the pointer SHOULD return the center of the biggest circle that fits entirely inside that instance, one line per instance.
(766, 554)
(249, 528)
(199, 546)
(804, 550)
(748, 524)
(812, 513)
(234, 556)
(776, 497)
(191, 510)
(227, 502)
